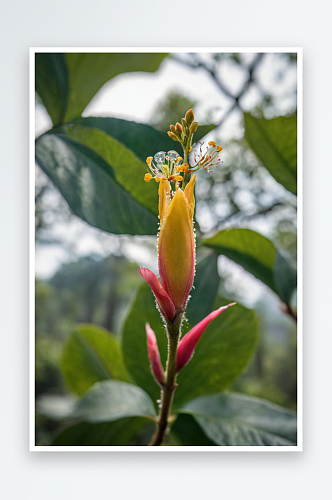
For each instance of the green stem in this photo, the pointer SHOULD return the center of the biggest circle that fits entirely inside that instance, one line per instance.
(173, 332)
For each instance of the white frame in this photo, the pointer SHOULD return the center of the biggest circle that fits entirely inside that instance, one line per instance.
(299, 446)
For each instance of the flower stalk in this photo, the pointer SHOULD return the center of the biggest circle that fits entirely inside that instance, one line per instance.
(176, 258)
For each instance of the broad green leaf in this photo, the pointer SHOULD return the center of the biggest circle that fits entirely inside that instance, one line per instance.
(143, 140)
(205, 290)
(52, 86)
(66, 83)
(117, 433)
(129, 170)
(91, 354)
(88, 72)
(257, 255)
(275, 143)
(239, 420)
(222, 353)
(187, 432)
(90, 188)
(112, 400)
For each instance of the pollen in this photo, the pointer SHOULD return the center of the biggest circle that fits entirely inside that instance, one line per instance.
(212, 143)
(219, 148)
(190, 150)
(147, 177)
(149, 160)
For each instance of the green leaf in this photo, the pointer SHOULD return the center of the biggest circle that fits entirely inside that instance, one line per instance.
(66, 83)
(141, 139)
(258, 255)
(90, 188)
(239, 420)
(112, 400)
(221, 355)
(91, 354)
(188, 433)
(128, 169)
(275, 143)
(88, 72)
(205, 290)
(117, 433)
(51, 74)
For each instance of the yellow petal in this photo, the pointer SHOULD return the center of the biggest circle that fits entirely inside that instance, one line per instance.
(189, 193)
(164, 198)
(176, 250)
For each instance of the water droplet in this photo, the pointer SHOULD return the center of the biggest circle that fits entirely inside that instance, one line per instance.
(173, 155)
(159, 157)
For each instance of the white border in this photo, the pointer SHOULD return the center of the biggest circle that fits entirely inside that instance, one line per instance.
(32, 446)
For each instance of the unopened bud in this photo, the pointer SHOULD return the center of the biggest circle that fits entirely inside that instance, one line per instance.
(190, 116)
(172, 136)
(154, 357)
(193, 127)
(184, 124)
(172, 128)
(178, 128)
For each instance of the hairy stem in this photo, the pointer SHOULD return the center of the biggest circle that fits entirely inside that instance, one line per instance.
(170, 385)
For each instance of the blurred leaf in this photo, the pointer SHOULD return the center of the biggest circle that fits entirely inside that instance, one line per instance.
(285, 278)
(275, 143)
(89, 186)
(66, 83)
(52, 84)
(91, 354)
(205, 290)
(258, 255)
(117, 433)
(188, 432)
(239, 420)
(88, 72)
(112, 400)
(221, 355)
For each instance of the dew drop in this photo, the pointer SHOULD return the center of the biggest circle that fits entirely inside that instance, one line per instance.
(159, 157)
(173, 155)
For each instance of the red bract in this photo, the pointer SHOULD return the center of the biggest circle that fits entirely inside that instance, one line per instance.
(154, 356)
(189, 342)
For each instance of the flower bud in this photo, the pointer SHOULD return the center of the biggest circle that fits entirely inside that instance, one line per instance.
(178, 128)
(193, 127)
(189, 342)
(154, 356)
(190, 116)
(172, 136)
(176, 249)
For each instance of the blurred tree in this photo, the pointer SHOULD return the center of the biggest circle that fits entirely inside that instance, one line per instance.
(169, 108)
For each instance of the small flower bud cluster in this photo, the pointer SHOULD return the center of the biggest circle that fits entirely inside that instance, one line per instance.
(184, 133)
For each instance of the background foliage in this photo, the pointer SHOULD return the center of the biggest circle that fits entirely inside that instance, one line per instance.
(97, 164)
